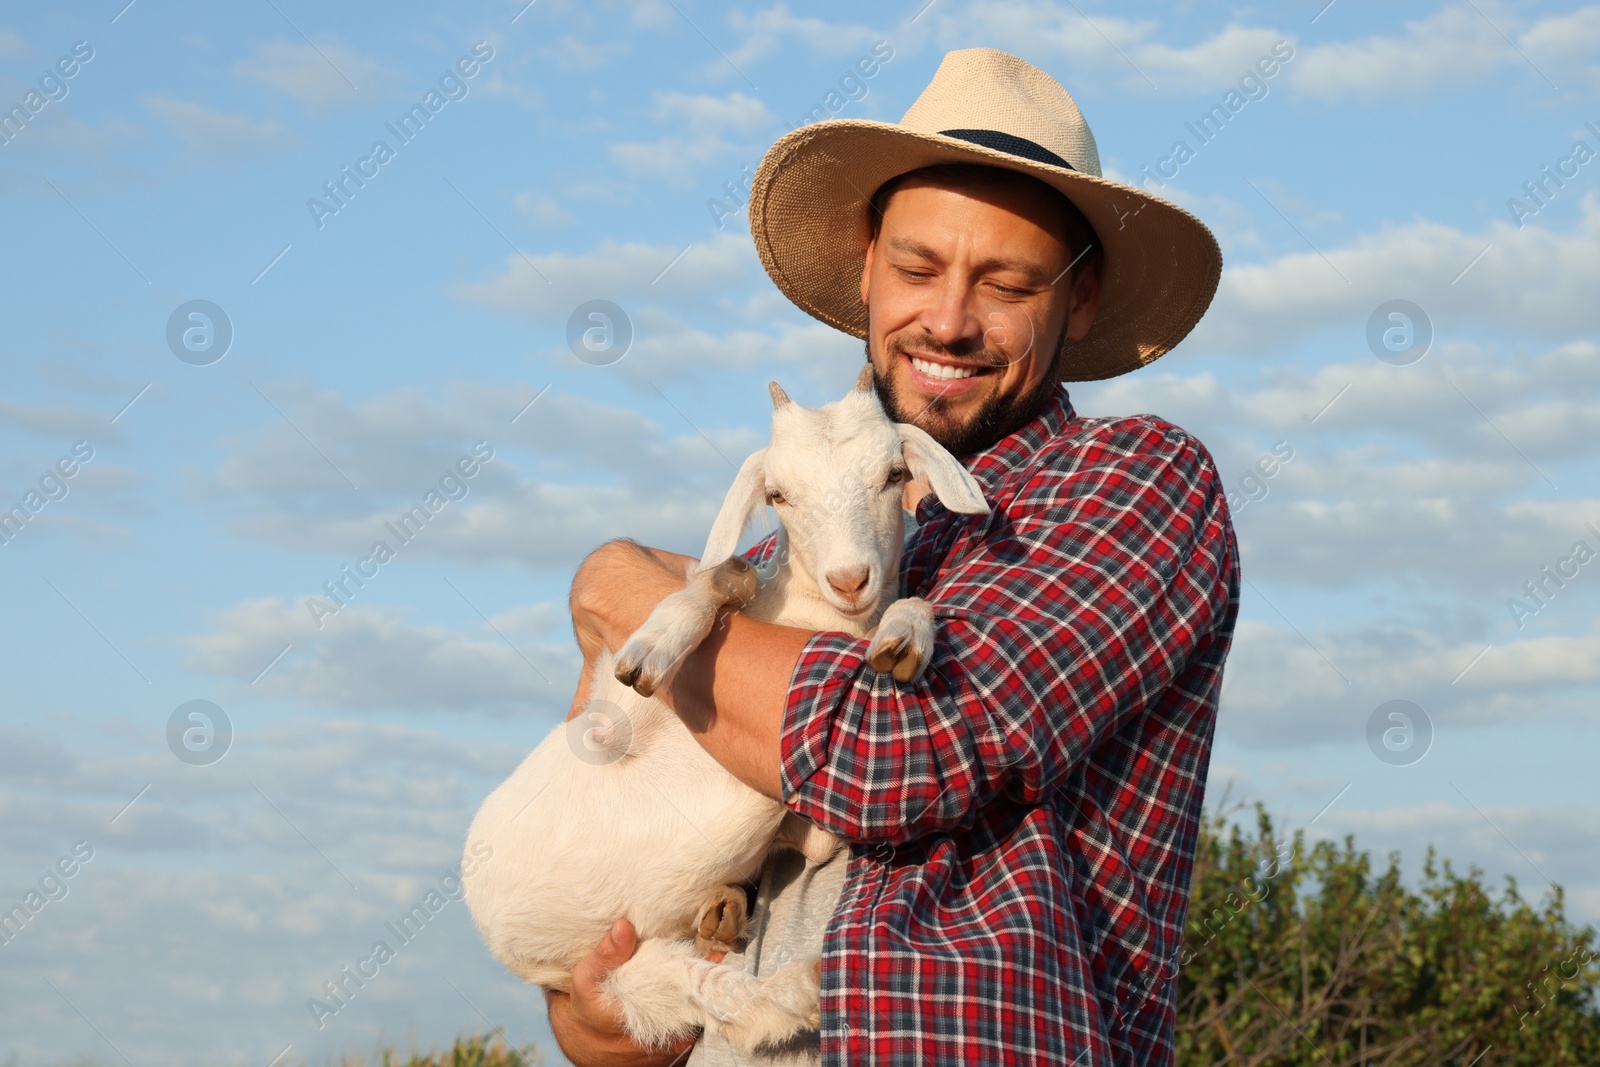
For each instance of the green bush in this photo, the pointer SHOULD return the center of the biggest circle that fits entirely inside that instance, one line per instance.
(1306, 956)
(482, 1050)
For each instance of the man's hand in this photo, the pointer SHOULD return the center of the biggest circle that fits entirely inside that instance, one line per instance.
(730, 692)
(588, 1025)
(614, 591)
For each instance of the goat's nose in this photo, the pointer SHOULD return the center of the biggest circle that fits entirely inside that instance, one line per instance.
(848, 583)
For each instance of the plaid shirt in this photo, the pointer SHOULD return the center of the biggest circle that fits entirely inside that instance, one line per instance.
(1023, 819)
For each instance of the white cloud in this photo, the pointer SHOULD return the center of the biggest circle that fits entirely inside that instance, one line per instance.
(1293, 686)
(551, 285)
(1040, 26)
(764, 32)
(535, 525)
(240, 869)
(59, 422)
(1530, 841)
(571, 53)
(541, 208)
(1456, 46)
(1567, 42)
(709, 121)
(1532, 278)
(322, 75)
(367, 657)
(523, 96)
(217, 134)
(807, 350)
(1401, 479)
(1099, 46)
(1217, 62)
(572, 474)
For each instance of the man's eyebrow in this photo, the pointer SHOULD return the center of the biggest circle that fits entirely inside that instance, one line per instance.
(911, 246)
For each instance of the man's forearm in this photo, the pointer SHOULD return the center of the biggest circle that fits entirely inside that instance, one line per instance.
(731, 691)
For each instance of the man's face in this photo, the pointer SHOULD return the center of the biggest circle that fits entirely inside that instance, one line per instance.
(967, 292)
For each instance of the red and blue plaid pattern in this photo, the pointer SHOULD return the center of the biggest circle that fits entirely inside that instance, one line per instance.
(1022, 820)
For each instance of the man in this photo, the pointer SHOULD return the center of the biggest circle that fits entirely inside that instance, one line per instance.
(1022, 819)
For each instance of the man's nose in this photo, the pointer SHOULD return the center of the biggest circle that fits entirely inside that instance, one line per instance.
(951, 318)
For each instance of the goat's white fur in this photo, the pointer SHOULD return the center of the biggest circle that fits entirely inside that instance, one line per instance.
(620, 811)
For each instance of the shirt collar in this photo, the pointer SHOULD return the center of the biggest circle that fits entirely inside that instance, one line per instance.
(991, 466)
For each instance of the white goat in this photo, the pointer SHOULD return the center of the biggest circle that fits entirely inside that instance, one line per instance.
(629, 814)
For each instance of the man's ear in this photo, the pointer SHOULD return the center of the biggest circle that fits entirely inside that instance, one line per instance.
(1084, 302)
(932, 463)
(749, 492)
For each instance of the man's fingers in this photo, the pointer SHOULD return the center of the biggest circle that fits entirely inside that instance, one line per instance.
(613, 949)
(588, 1003)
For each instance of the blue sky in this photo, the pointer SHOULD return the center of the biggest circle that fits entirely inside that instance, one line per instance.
(376, 346)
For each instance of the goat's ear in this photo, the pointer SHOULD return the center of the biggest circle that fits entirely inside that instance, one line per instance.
(748, 493)
(932, 463)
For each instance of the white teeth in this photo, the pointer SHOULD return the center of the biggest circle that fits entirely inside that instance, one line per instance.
(942, 370)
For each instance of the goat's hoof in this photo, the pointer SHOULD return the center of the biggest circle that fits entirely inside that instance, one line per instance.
(734, 582)
(721, 920)
(630, 671)
(630, 676)
(886, 656)
(903, 642)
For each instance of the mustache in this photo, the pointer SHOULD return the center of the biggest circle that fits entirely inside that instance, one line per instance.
(981, 357)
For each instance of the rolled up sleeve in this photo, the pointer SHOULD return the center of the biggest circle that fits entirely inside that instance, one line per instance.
(1073, 607)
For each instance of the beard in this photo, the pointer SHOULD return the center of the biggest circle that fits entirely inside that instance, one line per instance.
(997, 417)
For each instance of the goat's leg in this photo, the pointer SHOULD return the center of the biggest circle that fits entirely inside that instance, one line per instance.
(812, 841)
(721, 920)
(664, 991)
(903, 641)
(681, 621)
(785, 1003)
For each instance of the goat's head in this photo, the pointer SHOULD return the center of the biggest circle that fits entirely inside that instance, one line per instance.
(835, 475)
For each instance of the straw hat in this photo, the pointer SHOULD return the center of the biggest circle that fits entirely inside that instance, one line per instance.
(808, 206)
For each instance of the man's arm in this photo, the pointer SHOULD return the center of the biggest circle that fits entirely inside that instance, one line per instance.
(730, 692)
(1109, 570)
(1108, 577)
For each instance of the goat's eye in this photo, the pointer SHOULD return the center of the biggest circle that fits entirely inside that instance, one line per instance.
(774, 496)
(897, 474)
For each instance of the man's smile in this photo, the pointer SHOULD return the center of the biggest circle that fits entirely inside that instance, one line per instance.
(940, 376)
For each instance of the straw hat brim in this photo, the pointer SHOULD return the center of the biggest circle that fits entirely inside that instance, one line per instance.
(808, 217)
